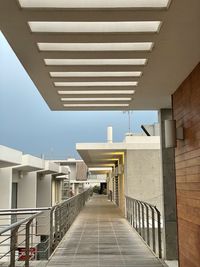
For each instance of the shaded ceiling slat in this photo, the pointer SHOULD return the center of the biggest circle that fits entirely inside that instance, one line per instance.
(93, 15)
(95, 54)
(95, 68)
(94, 38)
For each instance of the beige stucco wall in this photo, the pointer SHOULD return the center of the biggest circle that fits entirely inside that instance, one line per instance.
(143, 177)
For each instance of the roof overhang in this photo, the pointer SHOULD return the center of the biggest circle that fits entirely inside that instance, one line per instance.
(67, 162)
(62, 177)
(88, 57)
(30, 163)
(109, 154)
(9, 157)
(90, 181)
(98, 155)
(64, 172)
(49, 168)
(100, 170)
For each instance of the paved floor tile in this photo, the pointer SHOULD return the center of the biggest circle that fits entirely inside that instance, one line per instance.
(101, 237)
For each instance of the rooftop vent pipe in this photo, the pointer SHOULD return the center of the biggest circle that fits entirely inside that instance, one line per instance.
(109, 134)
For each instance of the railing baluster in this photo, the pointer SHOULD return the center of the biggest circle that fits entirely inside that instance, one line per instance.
(143, 225)
(136, 216)
(56, 226)
(27, 242)
(153, 229)
(133, 211)
(147, 222)
(13, 243)
(159, 234)
(139, 217)
(51, 231)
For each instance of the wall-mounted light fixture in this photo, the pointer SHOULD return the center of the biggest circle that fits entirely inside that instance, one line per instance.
(172, 133)
(41, 176)
(21, 174)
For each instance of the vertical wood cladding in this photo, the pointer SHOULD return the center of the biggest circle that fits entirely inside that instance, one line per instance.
(186, 109)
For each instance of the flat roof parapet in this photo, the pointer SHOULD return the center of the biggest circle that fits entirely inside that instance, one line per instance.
(9, 157)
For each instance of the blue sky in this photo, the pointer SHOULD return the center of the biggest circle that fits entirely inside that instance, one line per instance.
(27, 123)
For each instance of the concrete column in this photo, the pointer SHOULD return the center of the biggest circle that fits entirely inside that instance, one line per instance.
(5, 203)
(169, 191)
(76, 189)
(5, 188)
(44, 199)
(73, 188)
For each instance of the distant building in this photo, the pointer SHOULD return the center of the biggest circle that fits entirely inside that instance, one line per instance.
(81, 177)
(134, 166)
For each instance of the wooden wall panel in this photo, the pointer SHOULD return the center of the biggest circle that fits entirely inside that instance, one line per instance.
(186, 110)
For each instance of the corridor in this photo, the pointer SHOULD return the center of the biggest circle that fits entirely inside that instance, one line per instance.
(101, 237)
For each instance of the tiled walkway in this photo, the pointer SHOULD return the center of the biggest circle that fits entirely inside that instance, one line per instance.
(101, 237)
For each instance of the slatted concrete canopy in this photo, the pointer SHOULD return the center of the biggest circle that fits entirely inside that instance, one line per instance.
(104, 54)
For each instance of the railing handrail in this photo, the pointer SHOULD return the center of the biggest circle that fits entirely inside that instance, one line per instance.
(19, 223)
(141, 201)
(12, 211)
(19, 213)
(25, 209)
(69, 199)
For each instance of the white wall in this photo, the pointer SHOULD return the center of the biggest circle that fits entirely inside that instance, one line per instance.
(44, 199)
(44, 192)
(27, 190)
(72, 171)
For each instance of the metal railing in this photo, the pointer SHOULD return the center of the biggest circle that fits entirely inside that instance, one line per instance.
(63, 215)
(36, 231)
(146, 219)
